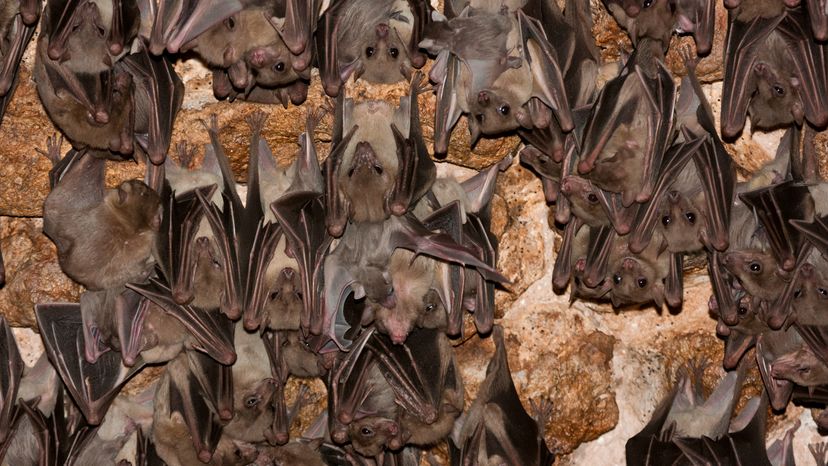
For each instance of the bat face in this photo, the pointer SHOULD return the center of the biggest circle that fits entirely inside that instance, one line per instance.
(584, 200)
(228, 42)
(494, 110)
(776, 102)
(756, 271)
(252, 408)
(138, 203)
(653, 19)
(370, 435)
(271, 64)
(811, 296)
(635, 280)
(383, 57)
(748, 10)
(285, 300)
(680, 223)
(801, 367)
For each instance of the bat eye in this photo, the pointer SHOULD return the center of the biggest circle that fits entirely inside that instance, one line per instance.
(504, 109)
(805, 370)
(299, 295)
(798, 293)
(279, 66)
(274, 295)
(616, 279)
(691, 217)
(367, 431)
(101, 32)
(592, 198)
(215, 264)
(742, 310)
(755, 267)
(642, 282)
(779, 90)
(230, 23)
(429, 308)
(251, 401)
(647, 3)
(666, 220)
(822, 292)
(394, 52)
(369, 52)
(378, 169)
(350, 172)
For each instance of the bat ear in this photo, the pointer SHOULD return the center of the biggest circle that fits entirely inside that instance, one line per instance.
(155, 222)
(355, 67)
(523, 118)
(658, 294)
(367, 316)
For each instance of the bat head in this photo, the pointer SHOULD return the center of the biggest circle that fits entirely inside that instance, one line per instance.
(757, 272)
(253, 411)
(366, 183)
(810, 296)
(635, 281)
(495, 111)
(584, 200)
(371, 434)
(801, 367)
(619, 167)
(284, 301)
(137, 206)
(271, 64)
(777, 102)
(383, 57)
(208, 279)
(228, 42)
(654, 20)
(680, 222)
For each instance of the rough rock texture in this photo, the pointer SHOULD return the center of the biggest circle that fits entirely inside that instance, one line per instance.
(604, 370)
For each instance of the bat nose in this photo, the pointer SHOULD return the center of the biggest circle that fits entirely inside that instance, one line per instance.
(382, 30)
(257, 57)
(483, 98)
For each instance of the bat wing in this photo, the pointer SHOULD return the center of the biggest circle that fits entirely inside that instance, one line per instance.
(741, 46)
(177, 23)
(745, 443)
(548, 84)
(816, 336)
(815, 232)
(811, 61)
(336, 206)
(601, 243)
(674, 282)
(774, 207)
(93, 386)
(187, 397)
(130, 311)
(163, 93)
(300, 19)
(302, 216)
(279, 429)
(449, 220)
(421, 10)
(620, 217)
(674, 162)
(481, 239)
(11, 60)
(327, 49)
(779, 391)
(562, 271)
(819, 19)
(215, 381)
(212, 333)
(448, 108)
(417, 171)
(10, 373)
(718, 177)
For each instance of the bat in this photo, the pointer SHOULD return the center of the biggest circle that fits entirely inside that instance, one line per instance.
(778, 65)
(477, 75)
(660, 18)
(742, 335)
(11, 374)
(648, 276)
(104, 236)
(376, 376)
(771, 346)
(691, 203)
(364, 183)
(496, 428)
(91, 386)
(611, 157)
(801, 367)
(379, 44)
(178, 23)
(18, 21)
(687, 428)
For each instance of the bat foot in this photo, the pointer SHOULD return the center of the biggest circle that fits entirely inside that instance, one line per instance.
(205, 456)
(585, 167)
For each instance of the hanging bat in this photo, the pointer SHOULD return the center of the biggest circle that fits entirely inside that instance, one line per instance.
(692, 201)
(687, 428)
(92, 386)
(658, 20)
(770, 347)
(477, 75)
(364, 183)
(496, 428)
(741, 336)
(780, 68)
(11, 373)
(614, 156)
(650, 275)
(104, 237)
(377, 376)
(379, 44)
(18, 20)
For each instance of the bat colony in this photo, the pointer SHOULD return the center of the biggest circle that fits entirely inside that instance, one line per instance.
(360, 270)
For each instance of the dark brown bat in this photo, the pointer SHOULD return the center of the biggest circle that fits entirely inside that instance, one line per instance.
(18, 20)
(687, 428)
(496, 428)
(657, 19)
(740, 337)
(477, 75)
(779, 66)
(379, 44)
(639, 101)
(104, 237)
(11, 373)
(92, 386)
(379, 165)
(770, 346)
